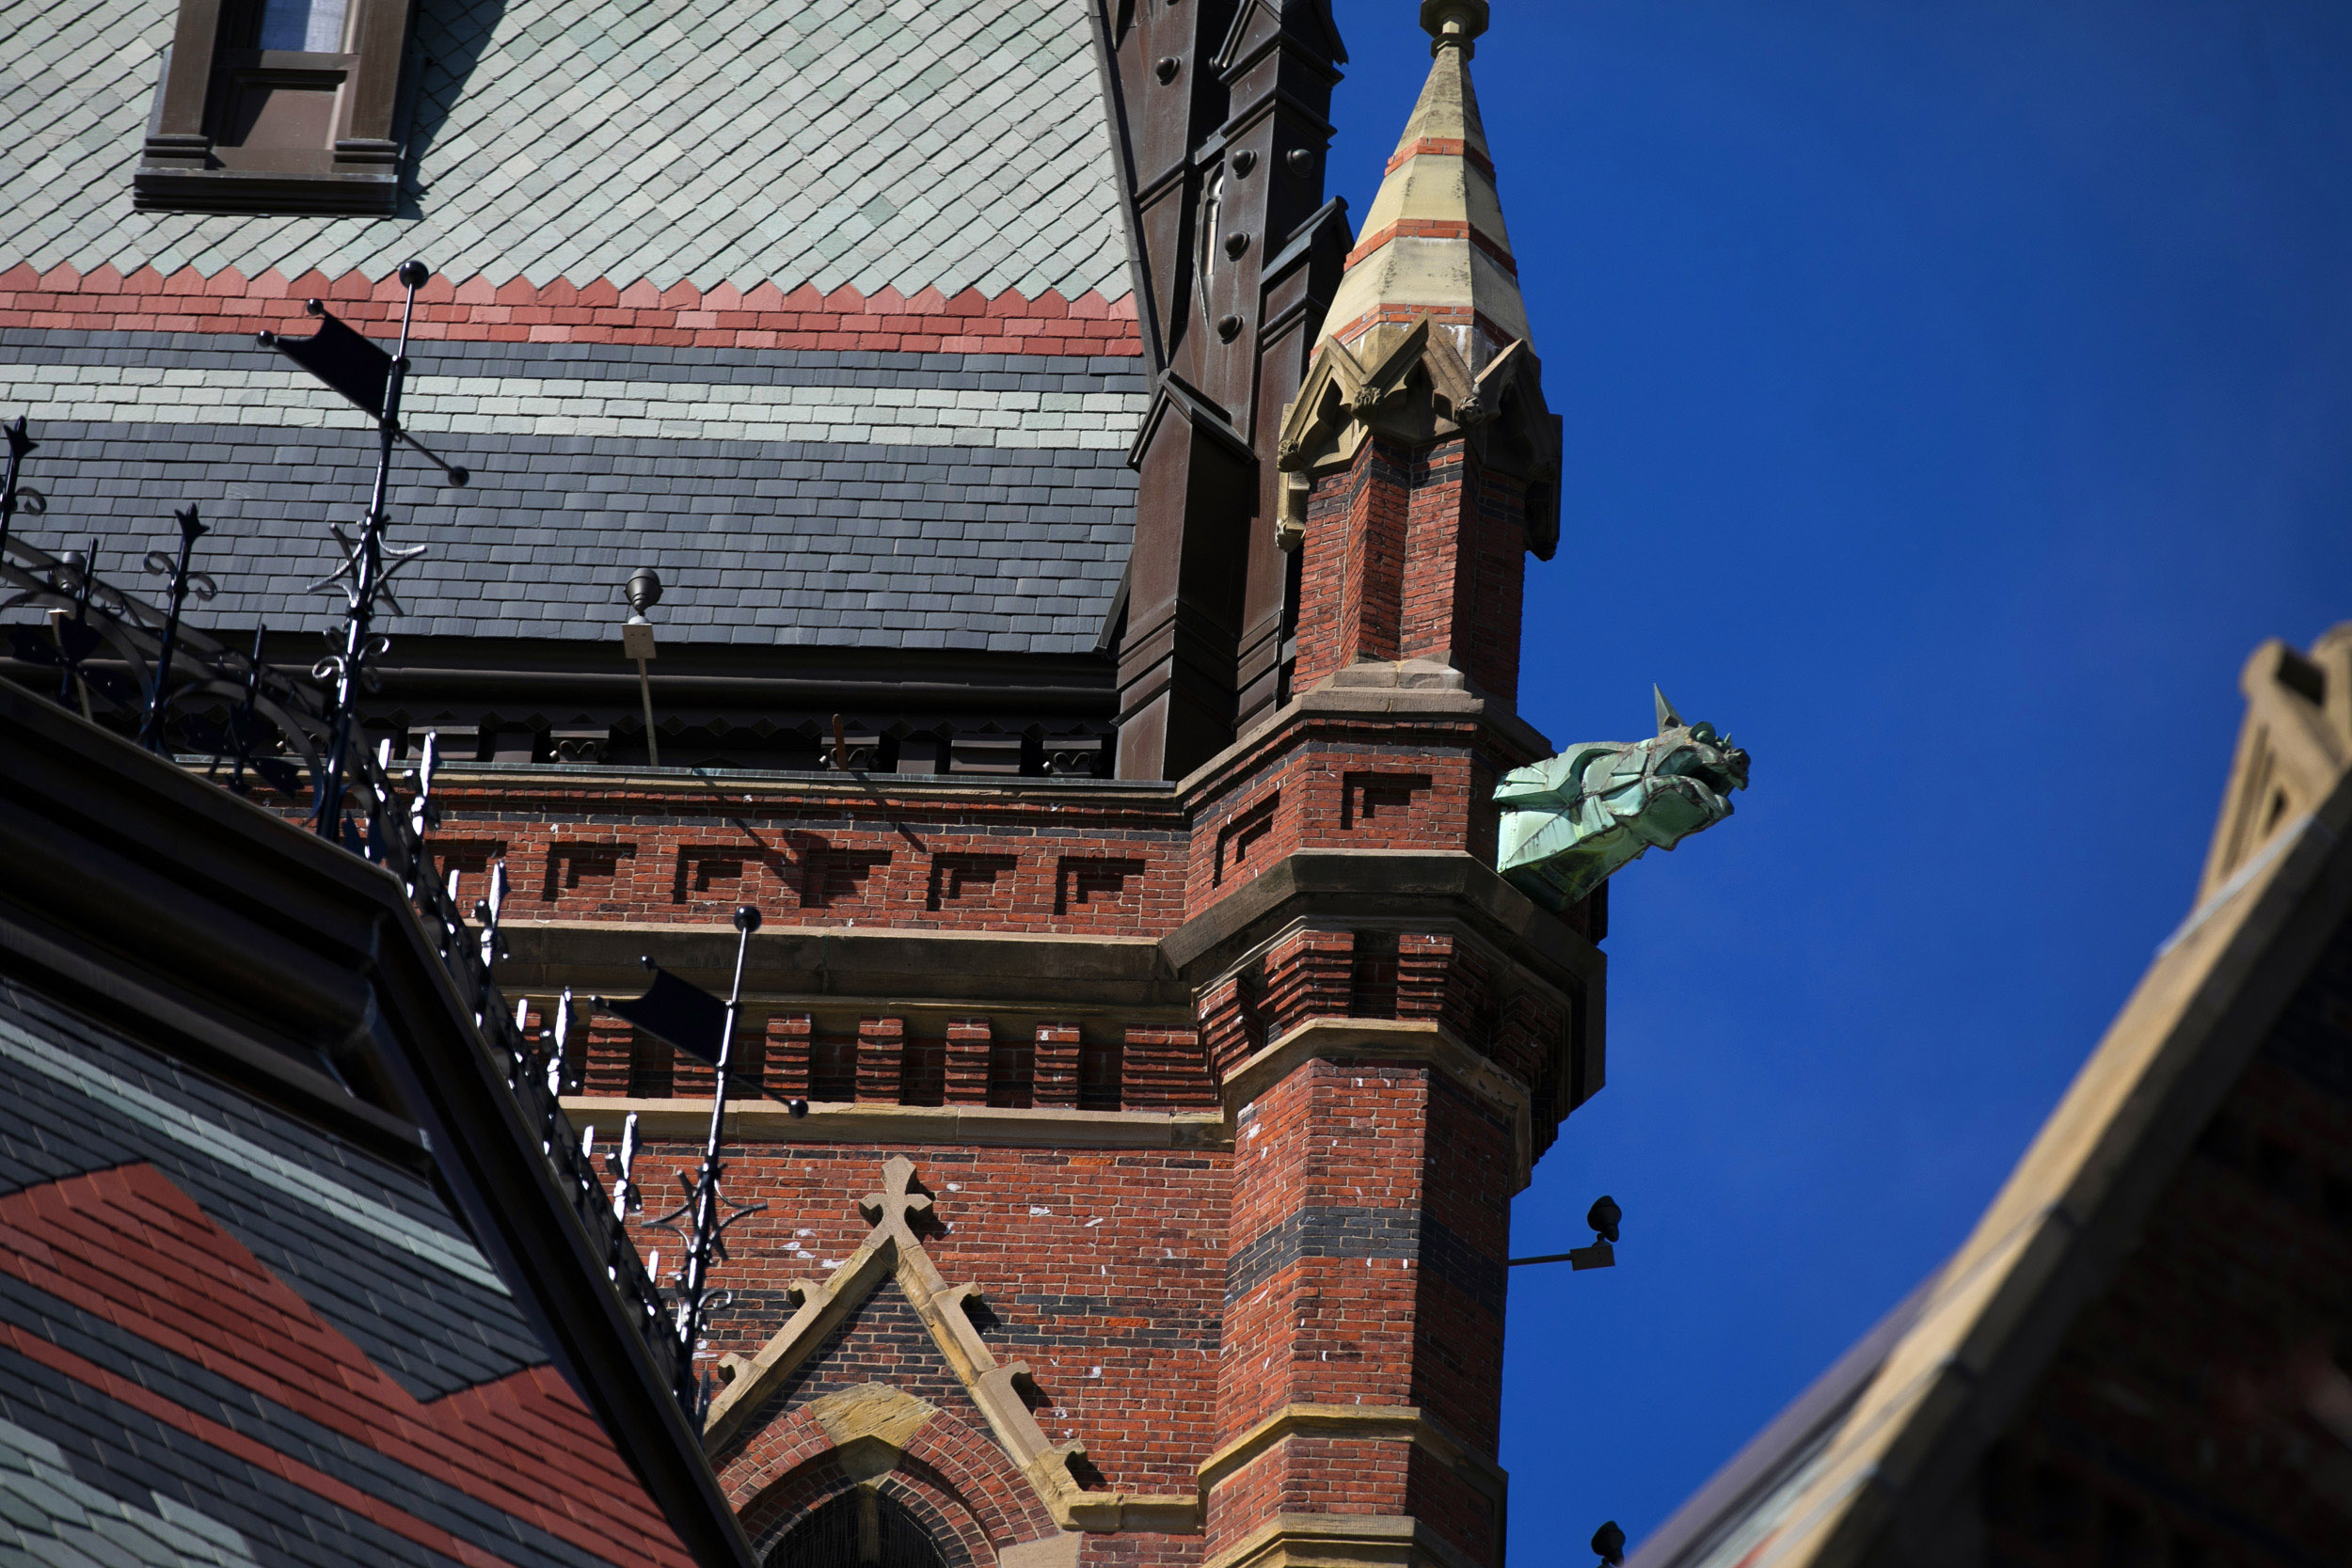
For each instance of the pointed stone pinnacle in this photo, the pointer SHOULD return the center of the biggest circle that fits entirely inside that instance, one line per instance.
(1434, 242)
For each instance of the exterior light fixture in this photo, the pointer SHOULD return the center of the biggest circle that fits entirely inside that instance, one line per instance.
(1604, 1216)
(644, 591)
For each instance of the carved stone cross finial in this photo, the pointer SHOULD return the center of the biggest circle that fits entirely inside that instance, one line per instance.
(896, 1206)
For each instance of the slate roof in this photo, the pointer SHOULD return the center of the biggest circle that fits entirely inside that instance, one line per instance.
(1721, 1525)
(227, 1338)
(885, 144)
(1862, 1467)
(787, 498)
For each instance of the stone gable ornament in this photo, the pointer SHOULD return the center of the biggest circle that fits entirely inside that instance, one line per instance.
(1568, 822)
(872, 1425)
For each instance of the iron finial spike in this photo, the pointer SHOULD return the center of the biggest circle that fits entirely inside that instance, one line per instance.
(20, 445)
(182, 581)
(1667, 718)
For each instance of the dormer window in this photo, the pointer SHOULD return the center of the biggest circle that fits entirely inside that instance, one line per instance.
(277, 106)
(314, 27)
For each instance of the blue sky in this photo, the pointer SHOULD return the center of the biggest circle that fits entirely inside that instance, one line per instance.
(1955, 395)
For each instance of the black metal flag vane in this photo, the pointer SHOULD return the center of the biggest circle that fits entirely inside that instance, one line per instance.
(354, 367)
(697, 1022)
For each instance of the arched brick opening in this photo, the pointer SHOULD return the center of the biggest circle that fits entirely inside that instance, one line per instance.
(863, 1525)
(956, 1527)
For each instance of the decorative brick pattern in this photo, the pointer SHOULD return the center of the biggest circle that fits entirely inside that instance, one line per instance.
(970, 1047)
(1164, 1069)
(473, 311)
(1057, 1068)
(880, 1045)
(1347, 784)
(786, 1068)
(991, 863)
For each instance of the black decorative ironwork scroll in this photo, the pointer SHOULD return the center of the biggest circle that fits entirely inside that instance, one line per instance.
(278, 733)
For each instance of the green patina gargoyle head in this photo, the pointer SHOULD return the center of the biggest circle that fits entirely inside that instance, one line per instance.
(1569, 822)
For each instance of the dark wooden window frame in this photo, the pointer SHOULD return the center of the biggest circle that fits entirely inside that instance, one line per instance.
(214, 145)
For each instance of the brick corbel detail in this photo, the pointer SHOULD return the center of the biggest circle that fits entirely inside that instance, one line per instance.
(611, 1043)
(881, 1057)
(969, 1042)
(783, 1068)
(1057, 1070)
(1310, 973)
(1230, 1023)
(1164, 1069)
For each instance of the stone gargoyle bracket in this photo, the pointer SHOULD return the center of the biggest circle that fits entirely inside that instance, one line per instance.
(893, 1250)
(1569, 822)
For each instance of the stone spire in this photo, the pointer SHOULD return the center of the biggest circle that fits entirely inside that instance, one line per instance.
(1433, 244)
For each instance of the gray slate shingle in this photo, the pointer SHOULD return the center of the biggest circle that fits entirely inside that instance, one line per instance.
(711, 141)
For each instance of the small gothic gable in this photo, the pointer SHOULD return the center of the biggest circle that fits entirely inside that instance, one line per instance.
(1409, 384)
(884, 1359)
(881, 1344)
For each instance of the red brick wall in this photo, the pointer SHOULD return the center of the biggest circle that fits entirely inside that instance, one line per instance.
(1348, 1250)
(1104, 1270)
(973, 863)
(1347, 784)
(1465, 563)
(886, 1060)
(1370, 1220)
(1414, 554)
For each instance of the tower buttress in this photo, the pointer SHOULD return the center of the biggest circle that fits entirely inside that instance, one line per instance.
(1393, 1064)
(1421, 463)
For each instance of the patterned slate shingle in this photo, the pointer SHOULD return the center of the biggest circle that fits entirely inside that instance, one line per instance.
(882, 144)
(51, 1515)
(918, 501)
(227, 1338)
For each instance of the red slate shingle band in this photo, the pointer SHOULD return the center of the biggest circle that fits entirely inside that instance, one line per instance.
(601, 311)
(375, 1509)
(127, 1245)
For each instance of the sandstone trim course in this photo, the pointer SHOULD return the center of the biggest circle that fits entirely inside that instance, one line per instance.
(1042, 1127)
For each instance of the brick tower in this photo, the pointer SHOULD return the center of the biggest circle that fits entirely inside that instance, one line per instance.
(1152, 1204)
(1135, 1142)
(1395, 1069)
